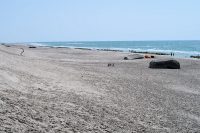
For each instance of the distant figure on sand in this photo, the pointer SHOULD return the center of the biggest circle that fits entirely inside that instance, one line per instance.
(109, 64)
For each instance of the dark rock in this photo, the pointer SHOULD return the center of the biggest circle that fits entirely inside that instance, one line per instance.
(152, 56)
(125, 58)
(166, 64)
(192, 56)
(32, 47)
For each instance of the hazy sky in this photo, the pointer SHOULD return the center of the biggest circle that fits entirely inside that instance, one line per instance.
(76, 20)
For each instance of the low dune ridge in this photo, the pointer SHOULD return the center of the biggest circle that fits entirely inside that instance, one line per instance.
(74, 90)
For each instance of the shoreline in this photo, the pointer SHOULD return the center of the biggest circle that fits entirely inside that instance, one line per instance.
(104, 49)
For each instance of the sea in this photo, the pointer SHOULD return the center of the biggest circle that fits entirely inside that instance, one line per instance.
(182, 49)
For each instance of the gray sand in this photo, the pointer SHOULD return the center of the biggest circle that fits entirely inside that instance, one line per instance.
(71, 90)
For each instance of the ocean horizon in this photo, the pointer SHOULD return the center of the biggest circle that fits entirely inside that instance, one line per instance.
(182, 49)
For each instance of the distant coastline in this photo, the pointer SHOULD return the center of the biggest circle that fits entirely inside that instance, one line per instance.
(181, 49)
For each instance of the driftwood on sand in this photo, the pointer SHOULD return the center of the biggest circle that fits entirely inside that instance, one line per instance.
(22, 51)
(133, 57)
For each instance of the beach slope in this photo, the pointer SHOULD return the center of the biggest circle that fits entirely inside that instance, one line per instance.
(73, 90)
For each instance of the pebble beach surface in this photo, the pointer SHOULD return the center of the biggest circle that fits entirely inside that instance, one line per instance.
(73, 90)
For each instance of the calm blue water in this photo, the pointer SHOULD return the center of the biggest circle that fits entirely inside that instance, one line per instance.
(180, 48)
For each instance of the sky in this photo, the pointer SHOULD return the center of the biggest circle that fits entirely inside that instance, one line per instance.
(98, 20)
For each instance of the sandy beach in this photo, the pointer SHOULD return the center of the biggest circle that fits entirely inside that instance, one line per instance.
(73, 90)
